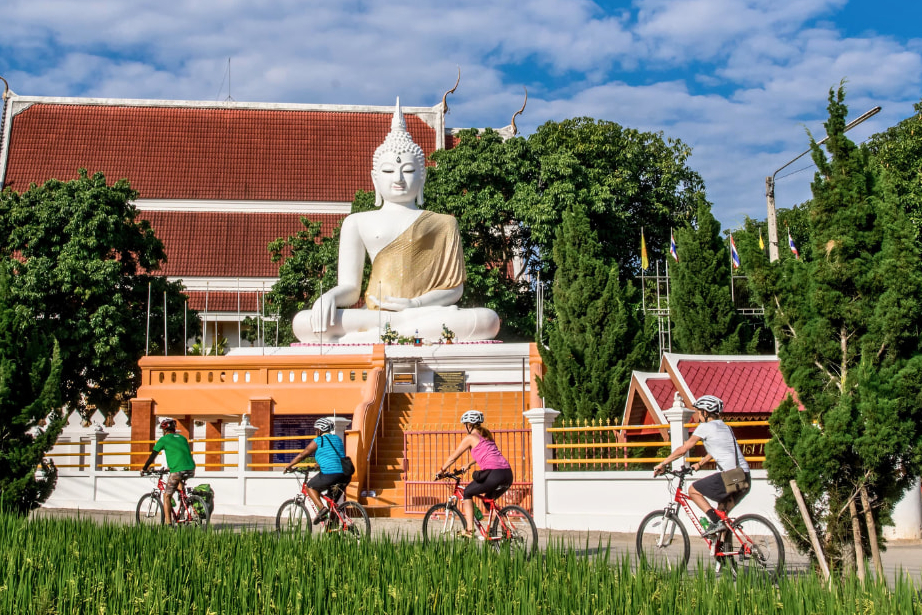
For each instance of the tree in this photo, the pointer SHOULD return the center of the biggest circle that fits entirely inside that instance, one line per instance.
(848, 320)
(82, 263)
(30, 372)
(898, 153)
(706, 320)
(626, 180)
(490, 186)
(308, 262)
(598, 337)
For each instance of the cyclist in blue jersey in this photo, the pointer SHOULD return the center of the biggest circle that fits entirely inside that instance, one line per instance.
(328, 451)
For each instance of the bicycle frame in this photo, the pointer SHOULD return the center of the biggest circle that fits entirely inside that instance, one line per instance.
(458, 494)
(183, 503)
(680, 498)
(345, 522)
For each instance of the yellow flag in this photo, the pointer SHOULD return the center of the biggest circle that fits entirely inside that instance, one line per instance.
(761, 243)
(644, 262)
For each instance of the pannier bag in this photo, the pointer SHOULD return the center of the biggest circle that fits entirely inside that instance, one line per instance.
(205, 492)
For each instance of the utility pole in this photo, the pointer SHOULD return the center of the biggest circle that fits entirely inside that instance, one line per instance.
(770, 188)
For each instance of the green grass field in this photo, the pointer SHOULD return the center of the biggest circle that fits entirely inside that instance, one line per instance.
(72, 567)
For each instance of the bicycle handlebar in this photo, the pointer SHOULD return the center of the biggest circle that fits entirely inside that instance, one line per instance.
(681, 473)
(157, 472)
(302, 469)
(453, 474)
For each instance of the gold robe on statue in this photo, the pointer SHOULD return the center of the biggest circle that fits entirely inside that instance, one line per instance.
(427, 256)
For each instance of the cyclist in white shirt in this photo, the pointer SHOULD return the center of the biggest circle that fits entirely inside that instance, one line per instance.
(721, 446)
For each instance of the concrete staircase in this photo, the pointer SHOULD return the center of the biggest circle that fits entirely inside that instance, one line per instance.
(429, 412)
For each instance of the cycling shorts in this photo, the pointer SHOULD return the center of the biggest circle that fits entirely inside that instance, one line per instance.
(491, 486)
(172, 482)
(712, 487)
(321, 482)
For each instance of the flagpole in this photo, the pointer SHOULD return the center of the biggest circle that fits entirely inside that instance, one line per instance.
(147, 334)
(166, 352)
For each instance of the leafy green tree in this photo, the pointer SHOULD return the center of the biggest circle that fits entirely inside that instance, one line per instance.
(82, 263)
(598, 336)
(848, 320)
(898, 152)
(706, 320)
(308, 262)
(30, 371)
(626, 180)
(490, 186)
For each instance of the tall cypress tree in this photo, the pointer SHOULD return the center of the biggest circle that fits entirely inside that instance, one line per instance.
(30, 374)
(700, 303)
(848, 320)
(598, 336)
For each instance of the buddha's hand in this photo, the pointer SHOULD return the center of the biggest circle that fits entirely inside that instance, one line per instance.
(323, 314)
(395, 304)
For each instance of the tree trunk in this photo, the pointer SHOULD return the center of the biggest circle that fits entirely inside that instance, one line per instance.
(856, 533)
(814, 539)
(872, 531)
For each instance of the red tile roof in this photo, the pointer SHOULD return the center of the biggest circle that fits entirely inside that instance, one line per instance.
(746, 387)
(170, 152)
(220, 301)
(663, 391)
(215, 244)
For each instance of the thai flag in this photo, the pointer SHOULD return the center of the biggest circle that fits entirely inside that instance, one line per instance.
(792, 246)
(672, 248)
(734, 255)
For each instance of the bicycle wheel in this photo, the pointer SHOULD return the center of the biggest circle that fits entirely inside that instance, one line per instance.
(149, 510)
(197, 514)
(442, 524)
(762, 551)
(355, 518)
(293, 519)
(513, 526)
(662, 541)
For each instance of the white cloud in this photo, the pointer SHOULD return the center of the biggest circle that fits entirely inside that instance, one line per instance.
(738, 80)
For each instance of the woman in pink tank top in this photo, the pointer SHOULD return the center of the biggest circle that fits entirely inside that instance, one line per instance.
(495, 476)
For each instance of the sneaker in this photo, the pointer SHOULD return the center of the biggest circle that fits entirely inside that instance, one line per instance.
(322, 516)
(715, 529)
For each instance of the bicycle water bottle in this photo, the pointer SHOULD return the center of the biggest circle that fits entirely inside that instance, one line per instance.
(705, 523)
(478, 514)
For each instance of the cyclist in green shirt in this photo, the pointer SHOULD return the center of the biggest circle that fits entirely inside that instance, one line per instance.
(178, 460)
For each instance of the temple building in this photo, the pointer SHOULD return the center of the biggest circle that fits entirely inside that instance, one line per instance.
(217, 181)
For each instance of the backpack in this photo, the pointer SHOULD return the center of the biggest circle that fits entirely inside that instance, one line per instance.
(205, 492)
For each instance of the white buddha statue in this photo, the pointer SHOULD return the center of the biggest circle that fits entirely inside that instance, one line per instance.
(417, 262)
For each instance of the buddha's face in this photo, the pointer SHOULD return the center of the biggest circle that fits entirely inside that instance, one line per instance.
(398, 178)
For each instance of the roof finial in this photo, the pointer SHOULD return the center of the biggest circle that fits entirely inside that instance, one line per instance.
(451, 91)
(515, 130)
(6, 89)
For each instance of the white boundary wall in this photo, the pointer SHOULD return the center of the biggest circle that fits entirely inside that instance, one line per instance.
(586, 500)
(618, 501)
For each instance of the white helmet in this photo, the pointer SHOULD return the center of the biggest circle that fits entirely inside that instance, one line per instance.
(323, 425)
(710, 404)
(473, 417)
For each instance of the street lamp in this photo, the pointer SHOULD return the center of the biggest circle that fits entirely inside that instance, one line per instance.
(770, 188)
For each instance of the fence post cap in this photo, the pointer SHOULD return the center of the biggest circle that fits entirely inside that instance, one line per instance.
(541, 415)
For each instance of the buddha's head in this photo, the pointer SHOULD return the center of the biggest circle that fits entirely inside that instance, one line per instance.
(399, 166)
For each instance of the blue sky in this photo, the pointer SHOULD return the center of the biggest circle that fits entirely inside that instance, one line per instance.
(740, 81)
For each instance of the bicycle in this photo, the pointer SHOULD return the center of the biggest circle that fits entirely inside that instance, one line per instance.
(663, 540)
(349, 518)
(190, 510)
(510, 525)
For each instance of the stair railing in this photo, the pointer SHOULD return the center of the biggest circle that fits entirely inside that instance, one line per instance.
(368, 492)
